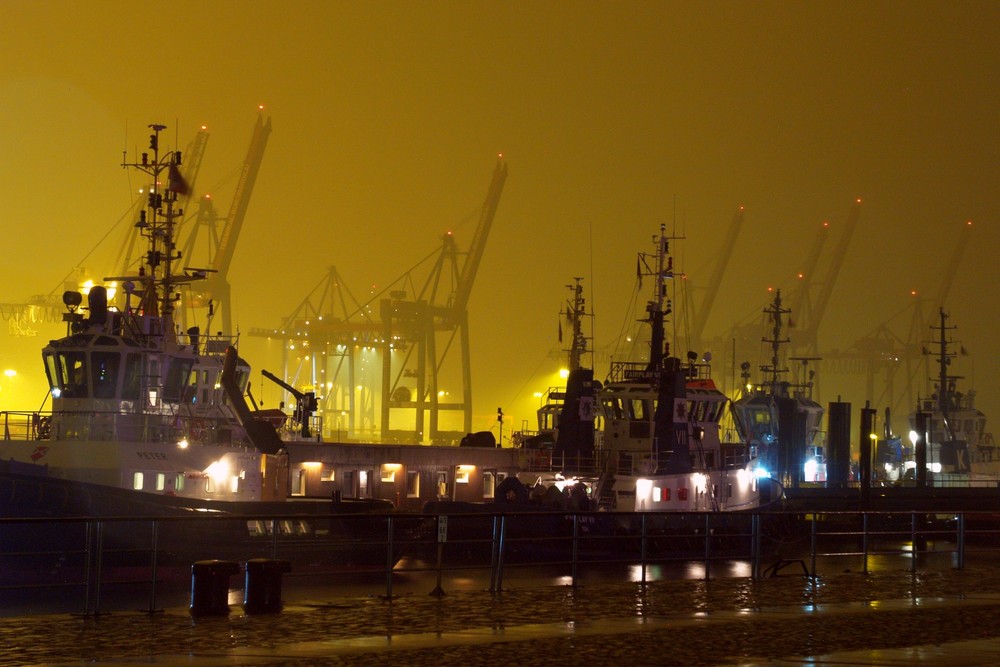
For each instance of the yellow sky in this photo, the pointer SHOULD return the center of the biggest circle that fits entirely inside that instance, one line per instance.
(614, 117)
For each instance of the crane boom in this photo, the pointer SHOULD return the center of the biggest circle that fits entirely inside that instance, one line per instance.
(956, 261)
(826, 289)
(701, 316)
(800, 305)
(478, 245)
(241, 199)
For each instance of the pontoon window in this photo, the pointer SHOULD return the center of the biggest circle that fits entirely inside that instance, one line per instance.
(412, 484)
(105, 373)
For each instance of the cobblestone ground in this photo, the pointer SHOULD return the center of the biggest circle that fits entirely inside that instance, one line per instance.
(139, 637)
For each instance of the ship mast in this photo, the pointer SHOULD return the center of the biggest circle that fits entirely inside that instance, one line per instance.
(576, 310)
(945, 392)
(775, 369)
(157, 223)
(659, 307)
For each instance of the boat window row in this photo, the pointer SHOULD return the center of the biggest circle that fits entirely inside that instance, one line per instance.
(112, 374)
(703, 408)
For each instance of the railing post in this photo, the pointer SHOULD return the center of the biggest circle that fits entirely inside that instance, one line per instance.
(961, 541)
(708, 545)
(576, 541)
(389, 561)
(87, 564)
(913, 542)
(274, 538)
(495, 552)
(864, 542)
(500, 550)
(755, 545)
(643, 546)
(813, 529)
(153, 559)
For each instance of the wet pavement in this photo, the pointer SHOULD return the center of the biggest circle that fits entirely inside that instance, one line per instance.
(941, 617)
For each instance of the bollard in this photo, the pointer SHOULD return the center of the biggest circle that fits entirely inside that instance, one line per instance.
(262, 591)
(210, 587)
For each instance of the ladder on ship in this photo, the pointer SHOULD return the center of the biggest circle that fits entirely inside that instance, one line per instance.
(606, 492)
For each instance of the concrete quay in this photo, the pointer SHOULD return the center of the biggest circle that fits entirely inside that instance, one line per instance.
(941, 617)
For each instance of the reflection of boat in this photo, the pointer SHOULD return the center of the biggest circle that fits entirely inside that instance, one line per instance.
(139, 409)
(779, 419)
(957, 441)
(659, 446)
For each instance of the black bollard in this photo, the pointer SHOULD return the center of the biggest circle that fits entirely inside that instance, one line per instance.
(210, 587)
(262, 590)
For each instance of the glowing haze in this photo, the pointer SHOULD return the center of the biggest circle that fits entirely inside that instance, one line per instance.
(614, 118)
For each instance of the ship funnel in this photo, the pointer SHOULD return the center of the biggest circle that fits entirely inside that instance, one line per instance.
(97, 299)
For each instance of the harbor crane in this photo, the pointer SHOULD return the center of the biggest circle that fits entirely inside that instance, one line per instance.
(411, 327)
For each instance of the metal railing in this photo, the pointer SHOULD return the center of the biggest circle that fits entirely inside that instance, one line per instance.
(83, 561)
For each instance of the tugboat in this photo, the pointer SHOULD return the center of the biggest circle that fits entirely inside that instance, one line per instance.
(146, 419)
(958, 445)
(779, 419)
(661, 437)
(649, 437)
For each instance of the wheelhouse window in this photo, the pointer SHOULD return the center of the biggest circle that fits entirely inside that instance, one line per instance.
(105, 373)
(133, 375)
(639, 410)
(71, 374)
(178, 377)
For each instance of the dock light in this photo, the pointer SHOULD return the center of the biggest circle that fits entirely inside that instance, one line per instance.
(761, 471)
(563, 373)
(182, 443)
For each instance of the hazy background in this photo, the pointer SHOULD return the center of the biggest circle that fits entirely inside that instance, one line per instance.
(614, 118)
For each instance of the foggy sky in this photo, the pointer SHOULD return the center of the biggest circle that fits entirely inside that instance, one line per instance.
(613, 117)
